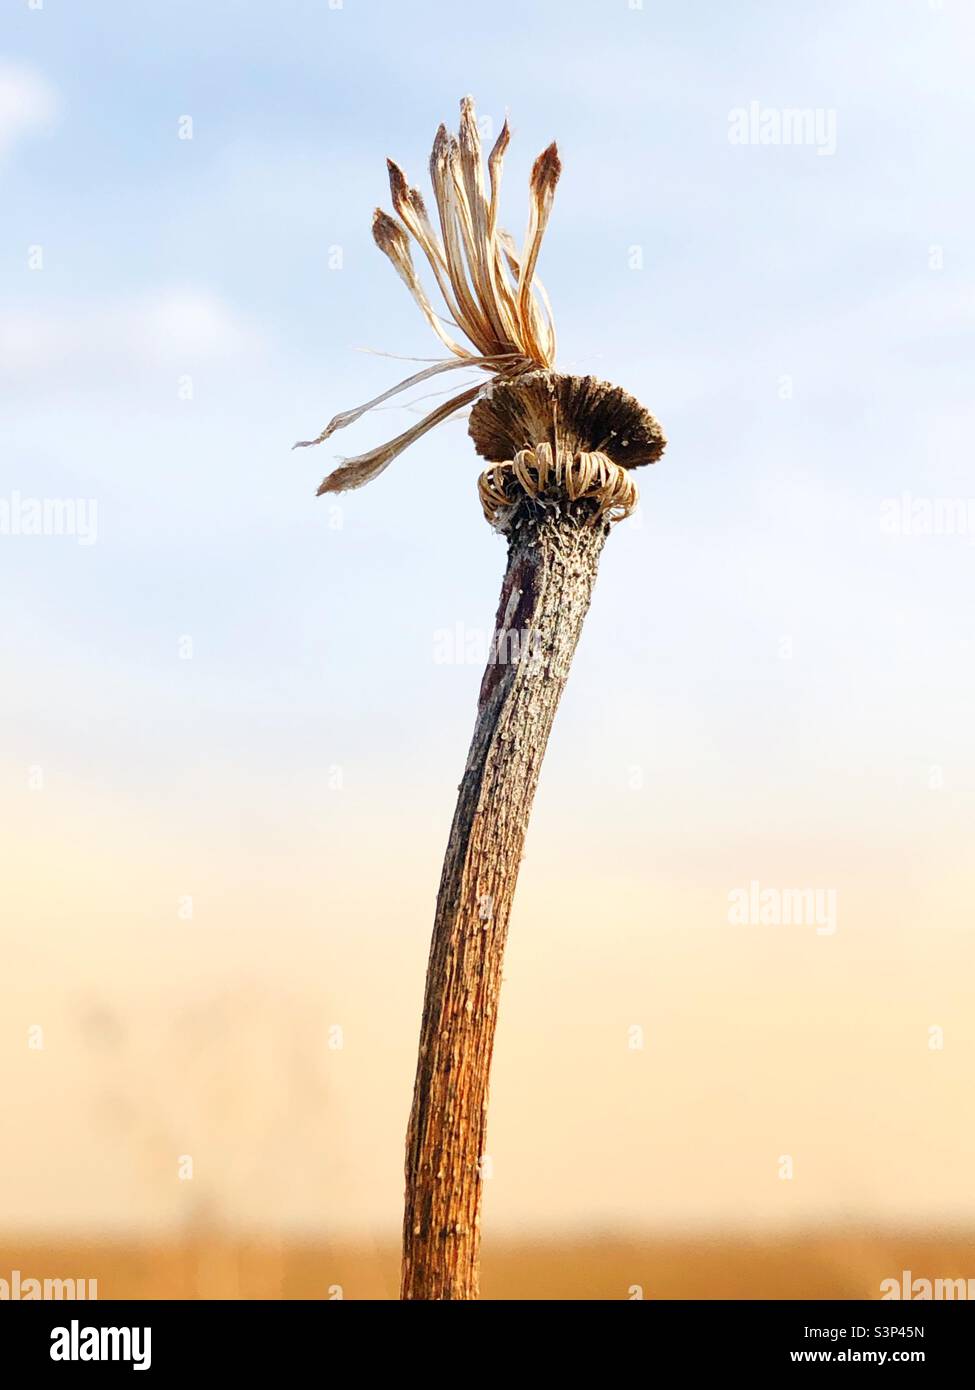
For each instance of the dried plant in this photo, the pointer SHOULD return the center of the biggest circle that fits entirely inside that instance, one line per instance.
(491, 294)
(560, 450)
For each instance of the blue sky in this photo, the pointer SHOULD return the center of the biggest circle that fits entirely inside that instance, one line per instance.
(208, 258)
(783, 672)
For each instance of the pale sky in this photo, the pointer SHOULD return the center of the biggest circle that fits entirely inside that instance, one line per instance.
(231, 694)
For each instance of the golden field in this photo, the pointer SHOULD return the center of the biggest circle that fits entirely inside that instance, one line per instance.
(842, 1265)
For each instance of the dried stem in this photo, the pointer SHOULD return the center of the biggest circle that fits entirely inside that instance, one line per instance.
(552, 559)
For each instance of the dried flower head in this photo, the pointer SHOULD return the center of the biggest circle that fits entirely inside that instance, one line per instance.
(491, 294)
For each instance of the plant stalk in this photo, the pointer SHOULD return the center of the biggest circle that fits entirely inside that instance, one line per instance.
(553, 553)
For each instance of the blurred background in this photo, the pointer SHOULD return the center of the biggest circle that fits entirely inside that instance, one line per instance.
(235, 716)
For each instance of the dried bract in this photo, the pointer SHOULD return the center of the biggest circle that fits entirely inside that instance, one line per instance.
(490, 293)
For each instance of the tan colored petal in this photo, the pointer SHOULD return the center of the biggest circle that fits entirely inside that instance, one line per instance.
(354, 472)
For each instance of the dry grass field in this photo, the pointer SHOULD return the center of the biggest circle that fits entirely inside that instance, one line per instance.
(841, 1265)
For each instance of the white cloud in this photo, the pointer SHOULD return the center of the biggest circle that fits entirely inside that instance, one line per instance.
(193, 324)
(28, 102)
(170, 328)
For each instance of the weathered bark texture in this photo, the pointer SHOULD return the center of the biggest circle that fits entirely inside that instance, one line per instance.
(552, 558)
